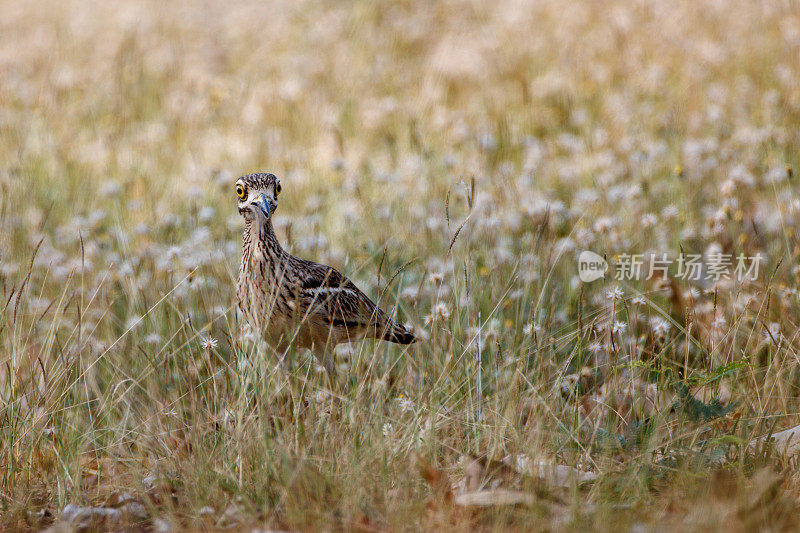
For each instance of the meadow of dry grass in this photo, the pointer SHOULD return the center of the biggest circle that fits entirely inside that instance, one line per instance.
(454, 157)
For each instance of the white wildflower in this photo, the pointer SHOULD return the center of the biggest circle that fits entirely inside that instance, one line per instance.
(208, 342)
(595, 347)
(670, 212)
(615, 294)
(649, 220)
(660, 326)
(405, 403)
(439, 313)
(531, 328)
(435, 277)
(727, 188)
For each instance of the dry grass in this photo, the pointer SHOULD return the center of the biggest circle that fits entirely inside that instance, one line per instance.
(490, 143)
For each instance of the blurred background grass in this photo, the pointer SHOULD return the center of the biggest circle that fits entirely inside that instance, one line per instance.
(620, 126)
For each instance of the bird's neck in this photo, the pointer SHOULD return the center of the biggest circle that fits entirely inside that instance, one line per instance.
(262, 235)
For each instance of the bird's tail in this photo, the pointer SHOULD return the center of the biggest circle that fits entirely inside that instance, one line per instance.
(399, 334)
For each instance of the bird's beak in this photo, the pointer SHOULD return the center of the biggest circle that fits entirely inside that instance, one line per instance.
(264, 204)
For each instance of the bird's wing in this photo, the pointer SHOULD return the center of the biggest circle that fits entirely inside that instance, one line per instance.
(330, 298)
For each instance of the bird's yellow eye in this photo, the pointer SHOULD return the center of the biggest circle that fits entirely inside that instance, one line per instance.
(278, 187)
(240, 192)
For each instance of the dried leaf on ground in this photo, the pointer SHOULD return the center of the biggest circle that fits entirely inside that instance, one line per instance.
(76, 517)
(557, 475)
(786, 441)
(490, 498)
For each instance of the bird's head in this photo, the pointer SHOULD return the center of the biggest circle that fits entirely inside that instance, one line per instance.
(258, 196)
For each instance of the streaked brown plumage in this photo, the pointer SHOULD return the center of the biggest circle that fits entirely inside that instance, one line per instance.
(286, 299)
